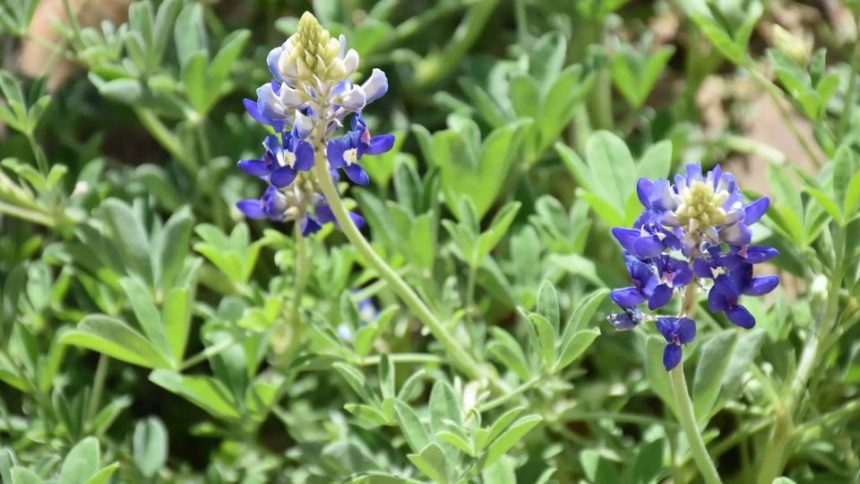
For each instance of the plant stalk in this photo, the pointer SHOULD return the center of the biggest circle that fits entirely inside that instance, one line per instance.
(459, 355)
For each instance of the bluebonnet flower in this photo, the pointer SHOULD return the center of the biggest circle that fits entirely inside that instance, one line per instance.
(345, 151)
(304, 103)
(693, 231)
(727, 289)
(677, 332)
(281, 163)
(627, 319)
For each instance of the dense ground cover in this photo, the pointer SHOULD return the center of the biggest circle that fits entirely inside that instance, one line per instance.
(412, 241)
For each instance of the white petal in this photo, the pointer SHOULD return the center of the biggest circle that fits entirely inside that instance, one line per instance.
(375, 86)
(353, 99)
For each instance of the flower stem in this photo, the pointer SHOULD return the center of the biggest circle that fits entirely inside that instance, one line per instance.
(684, 405)
(687, 419)
(461, 358)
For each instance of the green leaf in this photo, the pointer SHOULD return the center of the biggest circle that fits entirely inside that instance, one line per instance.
(197, 86)
(713, 361)
(127, 91)
(190, 32)
(176, 314)
(411, 426)
(116, 339)
(81, 463)
(498, 228)
(103, 476)
(444, 406)
(506, 350)
(206, 392)
(583, 313)
(648, 463)
(457, 441)
(432, 462)
(231, 47)
(13, 286)
(368, 415)
(164, 18)
(577, 168)
(545, 338)
(657, 161)
(22, 475)
(145, 311)
(547, 304)
(852, 196)
(172, 246)
(610, 162)
(129, 235)
(843, 171)
(510, 437)
(827, 203)
(149, 446)
(484, 437)
(575, 347)
(355, 379)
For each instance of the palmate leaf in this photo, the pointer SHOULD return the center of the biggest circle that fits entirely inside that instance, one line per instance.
(118, 340)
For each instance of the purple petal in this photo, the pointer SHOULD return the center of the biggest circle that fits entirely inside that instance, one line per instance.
(252, 208)
(357, 219)
(671, 356)
(755, 210)
(309, 226)
(258, 168)
(251, 107)
(740, 316)
(626, 297)
(722, 295)
(324, 213)
(660, 297)
(736, 234)
(283, 176)
(667, 325)
(357, 174)
(760, 286)
(335, 150)
(647, 247)
(380, 144)
(643, 192)
(741, 277)
(626, 237)
(304, 156)
(702, 268)
(686, 330)
(757, 254)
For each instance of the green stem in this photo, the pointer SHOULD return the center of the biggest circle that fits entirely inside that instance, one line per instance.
(27, 214)
(98, 385)
(687, 419)
(512, 394)
(684, 405)
(165, 138)
(209, 351)
(420, 358)
(38, 153)
(782, 436)
(470, 292)
(461, 358)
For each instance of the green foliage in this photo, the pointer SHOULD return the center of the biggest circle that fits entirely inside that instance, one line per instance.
(149, 334)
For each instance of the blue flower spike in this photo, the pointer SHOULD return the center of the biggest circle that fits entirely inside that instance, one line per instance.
(304, 104)
(693, 231)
